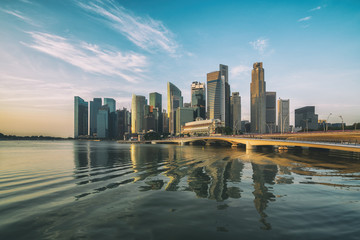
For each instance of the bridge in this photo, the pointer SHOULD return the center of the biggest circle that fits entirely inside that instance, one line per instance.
(252, 143)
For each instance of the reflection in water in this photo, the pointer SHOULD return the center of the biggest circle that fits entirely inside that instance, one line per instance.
(176, 192)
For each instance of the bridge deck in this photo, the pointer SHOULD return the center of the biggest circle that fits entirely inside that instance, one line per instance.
(251, 142)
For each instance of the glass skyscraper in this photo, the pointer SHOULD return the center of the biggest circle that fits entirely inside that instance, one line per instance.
(155, 100)
(80, 117)
(258, 99)
(284, 115)
(175, 100)
(235, 113)
(95, 105)
(198, 99)
(103, 122)
(111, 104)
(270, 112)
(137, 113)
(218, 93)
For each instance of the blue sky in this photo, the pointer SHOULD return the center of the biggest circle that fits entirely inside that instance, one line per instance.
(51, 51)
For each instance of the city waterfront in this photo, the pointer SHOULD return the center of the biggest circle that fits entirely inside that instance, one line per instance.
(106, 190)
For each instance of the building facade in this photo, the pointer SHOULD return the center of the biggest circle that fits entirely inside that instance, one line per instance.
(198, 99)
(306, 119)
(95, 105)
(270, 112)
(137, 113)
(218, 95)
(284, 115)
(111, 104)
(175, 100)
(258, 99)
(103, 122)
(80, 117)
(155, 100)
(235, 113)
(183, 115)
(202, 127)
(123, 123)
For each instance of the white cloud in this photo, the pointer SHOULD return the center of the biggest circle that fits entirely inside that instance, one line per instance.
(90, 58)
(315, 9)
(240, 70)
(20, 15)
(304, 19)
(260, 44)
(145, 32)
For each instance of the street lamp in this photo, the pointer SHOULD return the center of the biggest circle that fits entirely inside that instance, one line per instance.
(342, 122)
(327, 125)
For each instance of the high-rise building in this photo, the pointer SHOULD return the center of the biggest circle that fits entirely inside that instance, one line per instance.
(183, 115)
(137, 113)
(111, 104)
(306, 118)
(258, 99)
(103, 122)
(235, 112)
(95, 105)
(165, 120)
(155, 100)
(270, 112)
(218, 95)
(123, 123)
(175, 100)
(198, 99)
(284, 115)
(80, 117)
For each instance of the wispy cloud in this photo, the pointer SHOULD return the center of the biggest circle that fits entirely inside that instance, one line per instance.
(239, 70)
(260, 44)
(89, 57)
(315, 9)
(20, 16)
(304, 19)
(145, 32)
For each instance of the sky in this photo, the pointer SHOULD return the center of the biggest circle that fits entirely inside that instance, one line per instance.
(51, 51)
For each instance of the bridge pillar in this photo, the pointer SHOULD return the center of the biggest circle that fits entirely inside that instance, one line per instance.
(249, 146)
(234, 145)
(182, 143)
(207, 143)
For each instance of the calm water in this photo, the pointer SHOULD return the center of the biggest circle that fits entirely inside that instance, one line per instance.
(106, 190)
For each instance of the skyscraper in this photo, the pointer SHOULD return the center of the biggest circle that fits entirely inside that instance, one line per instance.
(218, 92)
(137, 113)
(235, 113)
(155, 100)
(175, 100)
(95, 105)
(198, 99)
(80, 117)
(270, 112)
(123, 123)
(258, 99)
(111, 104)
(283, 115)
(102, 122)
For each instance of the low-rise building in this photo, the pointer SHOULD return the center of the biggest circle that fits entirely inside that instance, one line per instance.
(202, 127)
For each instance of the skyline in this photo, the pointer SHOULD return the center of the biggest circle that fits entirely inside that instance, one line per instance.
(53, 51)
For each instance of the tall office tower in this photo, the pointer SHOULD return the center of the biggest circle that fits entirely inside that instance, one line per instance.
(123, 123)
(80, 117)
(137, 113)
(155, 100)
(235, 112)
(95, 105)
(102, 122)
(270, 112)
(258, 99)
(306, 118)
(218, 93)
(183, 115)
(175, 100)
(165, 122)
(284, 115)
(111, 103)
(198, 99)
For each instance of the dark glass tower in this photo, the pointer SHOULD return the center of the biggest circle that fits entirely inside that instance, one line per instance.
(80, 117)
(95, 105)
